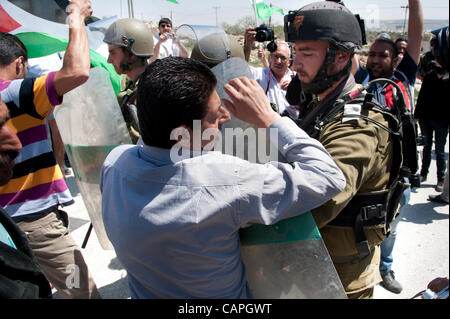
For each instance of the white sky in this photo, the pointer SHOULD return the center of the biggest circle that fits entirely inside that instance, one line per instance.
(230, 11)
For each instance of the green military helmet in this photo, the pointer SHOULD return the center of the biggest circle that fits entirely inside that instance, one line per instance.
(216, 48)
(132, 34)
(324, 21)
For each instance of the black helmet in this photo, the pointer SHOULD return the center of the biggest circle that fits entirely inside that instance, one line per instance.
(324, 21)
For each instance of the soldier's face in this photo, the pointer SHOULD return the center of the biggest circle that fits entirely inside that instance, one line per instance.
(309, 57)
(9, 146)
(116, 56)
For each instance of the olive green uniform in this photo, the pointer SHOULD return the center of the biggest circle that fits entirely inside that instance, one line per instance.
(129, 93)
(364, 153)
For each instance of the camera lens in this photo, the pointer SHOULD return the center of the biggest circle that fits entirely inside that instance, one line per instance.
(261, 36)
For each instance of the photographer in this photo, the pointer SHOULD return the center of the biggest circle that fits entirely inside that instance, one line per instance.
(166, 43)
(429, 112)
(275, 78)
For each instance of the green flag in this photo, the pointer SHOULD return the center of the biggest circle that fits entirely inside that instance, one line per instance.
(174, 1)
(264, 11)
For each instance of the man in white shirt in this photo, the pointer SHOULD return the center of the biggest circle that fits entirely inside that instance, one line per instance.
(166, 43)
(274, 79)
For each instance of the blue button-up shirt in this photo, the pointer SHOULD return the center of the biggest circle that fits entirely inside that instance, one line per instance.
(174, 224)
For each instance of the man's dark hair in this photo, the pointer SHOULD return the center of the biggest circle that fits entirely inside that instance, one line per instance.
(401, 39)
(10, 49)
(391, 43)
(172, 92)
(165, 20)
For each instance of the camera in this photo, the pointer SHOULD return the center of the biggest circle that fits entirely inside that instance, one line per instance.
(265, 33)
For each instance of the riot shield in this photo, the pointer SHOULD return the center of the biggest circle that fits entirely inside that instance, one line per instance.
(288, 259)
(91, 125)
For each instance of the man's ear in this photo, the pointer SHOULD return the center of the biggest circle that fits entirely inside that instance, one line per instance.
(342, 57)
(20, 65)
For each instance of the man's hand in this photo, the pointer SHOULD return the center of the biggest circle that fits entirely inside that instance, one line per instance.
(285, 81)
(250, 37)
(163, 37)
(80, 7)
(249, 103)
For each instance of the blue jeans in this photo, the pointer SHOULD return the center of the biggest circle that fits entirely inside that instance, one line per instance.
(440, 130)
(387, 246)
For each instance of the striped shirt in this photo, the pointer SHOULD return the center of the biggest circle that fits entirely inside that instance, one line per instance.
(37, 185)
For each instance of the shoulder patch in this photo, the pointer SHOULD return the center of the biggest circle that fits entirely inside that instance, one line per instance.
(351, 112)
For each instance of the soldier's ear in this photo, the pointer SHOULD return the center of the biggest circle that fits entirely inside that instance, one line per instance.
(342, 57)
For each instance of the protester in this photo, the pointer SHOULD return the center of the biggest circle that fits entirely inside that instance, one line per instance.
(325, 36)
(129, 48)
(383, 62)
(36, 68)
(433, 125)
(174, 219)
(166, 42)
(37, 187)
(275, 78)
(402, 44)
(20, 275)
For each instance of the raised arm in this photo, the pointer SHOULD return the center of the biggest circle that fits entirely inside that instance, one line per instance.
(77, 62)
(250, 38)
(415, 30)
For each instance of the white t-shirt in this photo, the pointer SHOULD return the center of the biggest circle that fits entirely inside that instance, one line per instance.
(274, 92)
(167, 48)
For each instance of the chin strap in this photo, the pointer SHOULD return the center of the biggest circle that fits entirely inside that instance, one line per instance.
(323, 81)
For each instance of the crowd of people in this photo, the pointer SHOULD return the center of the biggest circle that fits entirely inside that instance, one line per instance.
(174, 222)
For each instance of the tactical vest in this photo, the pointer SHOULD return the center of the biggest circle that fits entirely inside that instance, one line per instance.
(368, 210)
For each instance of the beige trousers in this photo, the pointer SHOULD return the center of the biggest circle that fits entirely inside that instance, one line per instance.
(59, 256)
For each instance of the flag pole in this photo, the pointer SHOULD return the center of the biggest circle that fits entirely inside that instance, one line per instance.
(256, 15)
(130, 9)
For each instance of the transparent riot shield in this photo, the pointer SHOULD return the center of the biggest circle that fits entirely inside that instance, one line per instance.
(91, 125)
(288, 259)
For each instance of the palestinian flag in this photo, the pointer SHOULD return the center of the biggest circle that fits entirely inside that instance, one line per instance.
(43, 37)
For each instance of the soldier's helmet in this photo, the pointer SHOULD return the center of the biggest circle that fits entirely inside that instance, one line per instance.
(215, 48)
(132, 34)
(324, 21)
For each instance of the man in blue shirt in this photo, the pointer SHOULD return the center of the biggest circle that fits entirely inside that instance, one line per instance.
(174, 219)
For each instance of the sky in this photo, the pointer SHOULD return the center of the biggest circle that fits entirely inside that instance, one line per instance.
(203, 12)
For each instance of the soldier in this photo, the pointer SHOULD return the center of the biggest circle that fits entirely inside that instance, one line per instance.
(361, 136)
(130, 45)
(216, 48)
